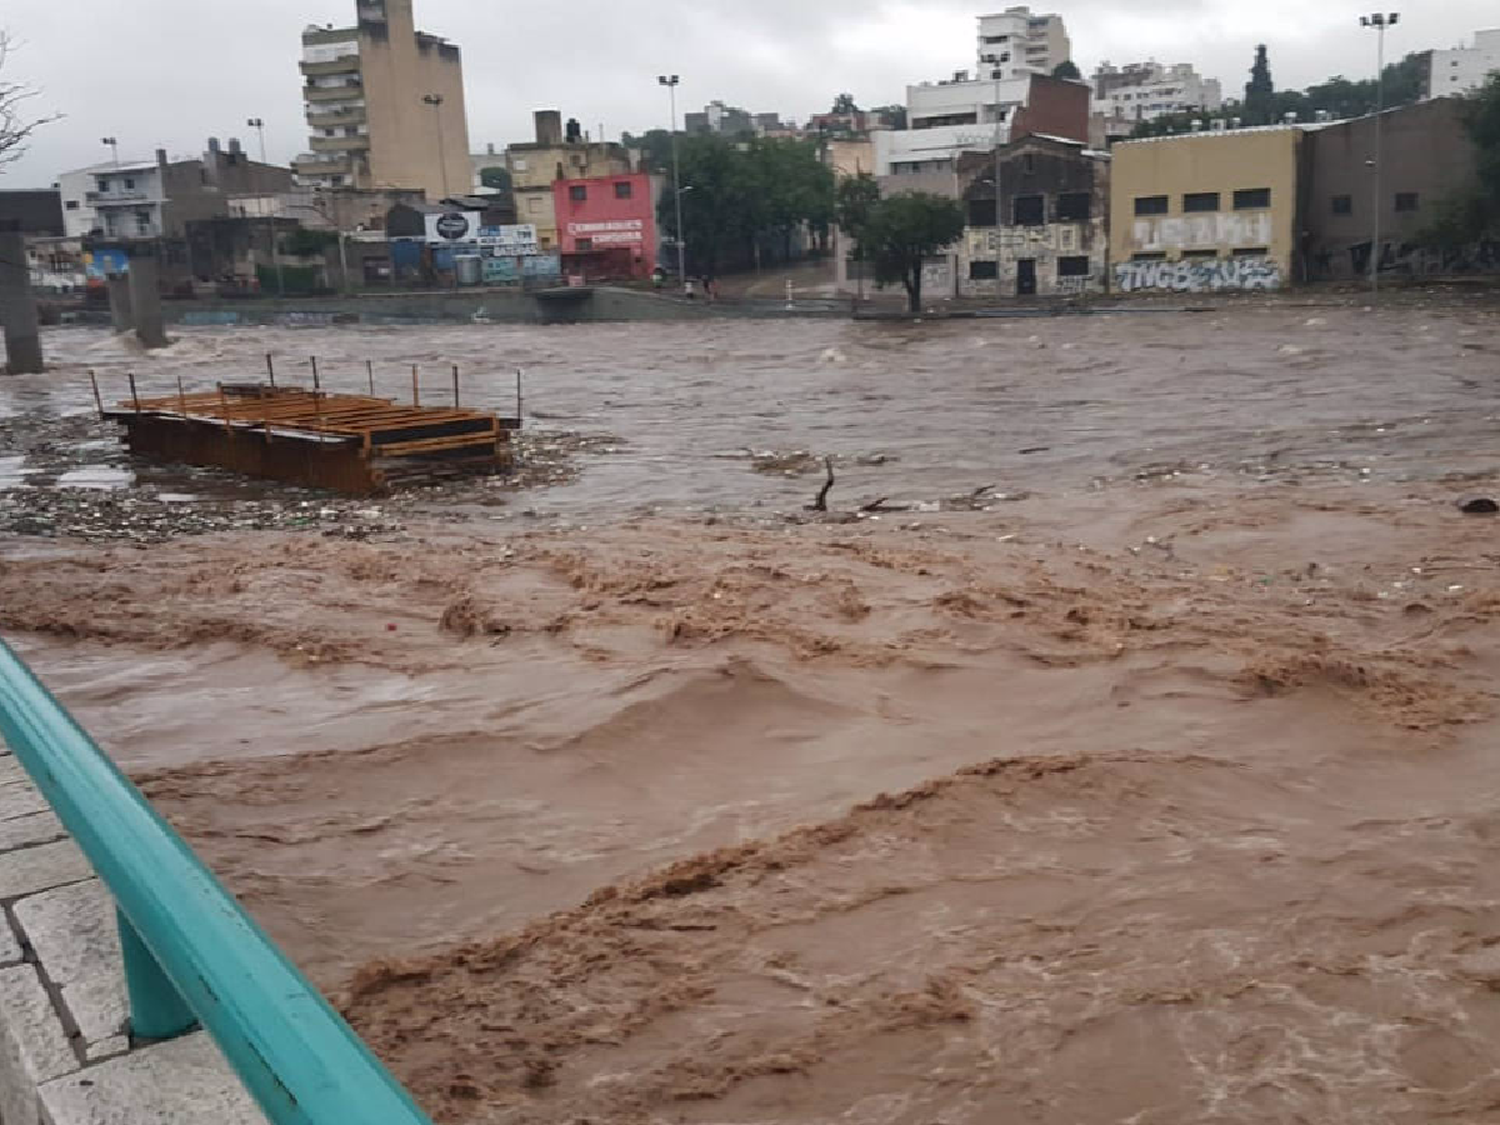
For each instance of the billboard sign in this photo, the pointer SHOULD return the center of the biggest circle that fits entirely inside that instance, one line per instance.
(509, 242)
(610, 232)
(452, 226)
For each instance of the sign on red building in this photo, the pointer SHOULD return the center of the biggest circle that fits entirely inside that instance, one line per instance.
(607, 226)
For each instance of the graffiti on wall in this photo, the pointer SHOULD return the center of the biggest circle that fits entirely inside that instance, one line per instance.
(1233, 228)
(1408, 260)
(1198, 276)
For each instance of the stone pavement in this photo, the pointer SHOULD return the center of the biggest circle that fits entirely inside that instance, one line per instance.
(65, 1056)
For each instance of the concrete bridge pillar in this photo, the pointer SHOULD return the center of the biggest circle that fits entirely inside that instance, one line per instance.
(120, 313)
(145, 298)
(23, 338)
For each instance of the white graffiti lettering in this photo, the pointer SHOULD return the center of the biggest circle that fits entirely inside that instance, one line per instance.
(1247, 228)
(1198, 277)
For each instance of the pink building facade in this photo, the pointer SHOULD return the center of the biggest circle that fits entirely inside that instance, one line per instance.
(607, 227)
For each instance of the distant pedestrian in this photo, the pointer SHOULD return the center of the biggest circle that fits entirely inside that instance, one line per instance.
(688, 291)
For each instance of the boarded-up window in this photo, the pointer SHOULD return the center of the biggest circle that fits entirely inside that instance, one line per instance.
(1031, 210)
(1151, 205)
(984, 271)
(1075, 207)
(981, 212)
(1073, 267)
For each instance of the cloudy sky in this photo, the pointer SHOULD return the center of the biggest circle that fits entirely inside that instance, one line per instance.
(170, 73)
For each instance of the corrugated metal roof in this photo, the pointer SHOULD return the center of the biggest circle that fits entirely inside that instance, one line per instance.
(1299, 127)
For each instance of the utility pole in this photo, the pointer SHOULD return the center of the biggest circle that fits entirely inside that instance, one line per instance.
(259, 126)
(1379, 21)
(671, 82)
(999, 232)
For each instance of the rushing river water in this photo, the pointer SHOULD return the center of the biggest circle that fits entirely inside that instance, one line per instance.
(1173, 775)
(943, 407)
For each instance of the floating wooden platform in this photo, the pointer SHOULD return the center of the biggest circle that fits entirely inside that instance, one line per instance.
(347, 443)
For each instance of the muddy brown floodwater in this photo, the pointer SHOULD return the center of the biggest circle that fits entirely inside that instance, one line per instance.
(1139, 769)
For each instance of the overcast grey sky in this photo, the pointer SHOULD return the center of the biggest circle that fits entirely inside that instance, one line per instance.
(170, 73)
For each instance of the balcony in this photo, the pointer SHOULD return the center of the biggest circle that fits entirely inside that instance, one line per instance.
(322, 145)
(334, 93)
(344, 64)
(312, 166)
(336, 118)
(120, 198)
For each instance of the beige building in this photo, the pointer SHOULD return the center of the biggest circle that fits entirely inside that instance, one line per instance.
(1207, 211)
(385, 106)
(557, 154)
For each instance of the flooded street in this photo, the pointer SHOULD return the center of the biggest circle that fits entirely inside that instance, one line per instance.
(1132, 762)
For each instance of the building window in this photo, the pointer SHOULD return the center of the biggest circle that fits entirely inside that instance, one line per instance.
(1075, 207)
(584, 245)
(624, 189)
(1407, 201)
(1343, 204)
(1251, 252)
(1151, 205)
(72, 205)
(1199, 201)
(1149, 256)
(1028, 164)
(1073, 267)
(1200, 255)
(351, 130)
(1030, 210)
(578, 193)
(129, 184)
(330, 132)
(534, 206)
(336, 181)
(981, 212)
(984, 271)
(1252, 199)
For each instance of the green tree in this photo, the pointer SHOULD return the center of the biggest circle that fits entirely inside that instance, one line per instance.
(903, 231)
(655, 147)
(894, 116)
(1067, 69)
(844, 103)
(1260, 91)
(737, 194)
(1472, 214)
(496, 179)
(856, 198)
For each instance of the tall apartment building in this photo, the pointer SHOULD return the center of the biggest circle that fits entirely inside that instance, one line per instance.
(1145, 91)
(385, 105)
(1015, 43)
(1465, 68)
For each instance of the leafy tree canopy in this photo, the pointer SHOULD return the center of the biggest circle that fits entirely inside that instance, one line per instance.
(1472, 214)
(844, 103)
(496, 179)
(1067, 69)
(856, 198)
(903, 231)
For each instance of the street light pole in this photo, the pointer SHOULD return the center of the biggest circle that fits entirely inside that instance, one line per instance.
(1379, 21)
(259, 126)
(436, 102)
(999, 230)
(671, 82)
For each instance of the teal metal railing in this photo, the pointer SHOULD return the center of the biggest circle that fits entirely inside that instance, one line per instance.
(192, 955)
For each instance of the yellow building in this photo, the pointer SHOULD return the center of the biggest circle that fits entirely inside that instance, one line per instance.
(557, 154)
(384, 105)
(1209, 211)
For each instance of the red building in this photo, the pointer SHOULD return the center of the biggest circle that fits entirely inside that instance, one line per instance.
(607, 227)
